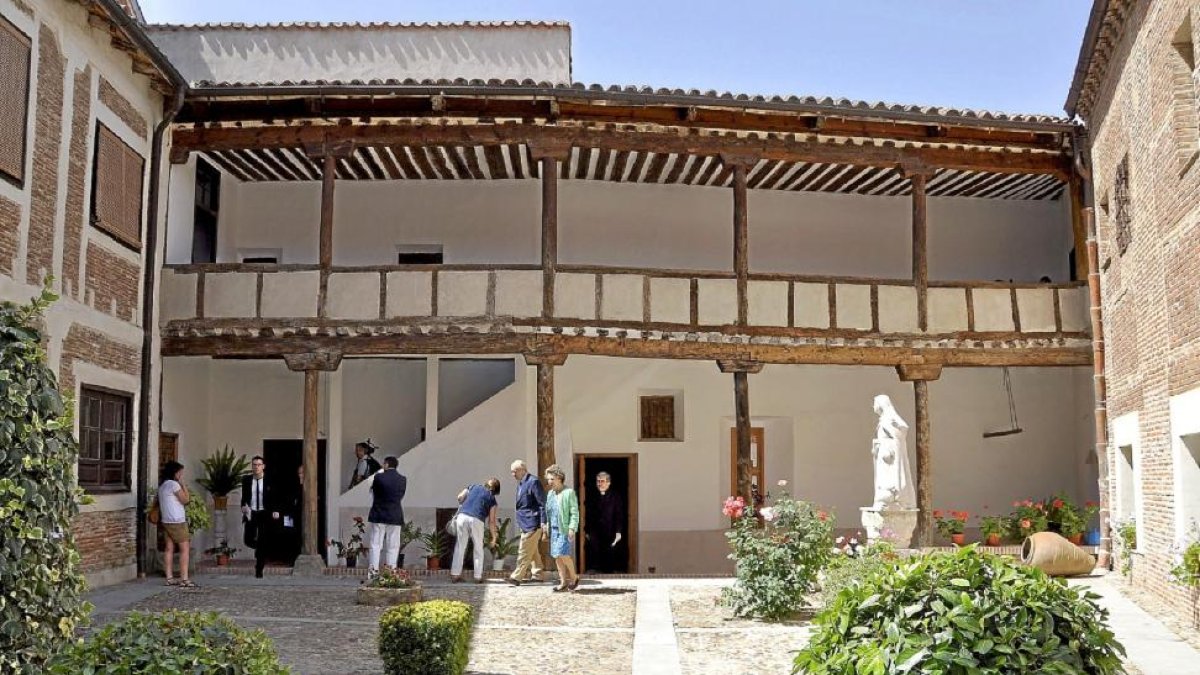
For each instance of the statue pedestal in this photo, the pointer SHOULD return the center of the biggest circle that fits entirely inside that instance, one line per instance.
(901, 523)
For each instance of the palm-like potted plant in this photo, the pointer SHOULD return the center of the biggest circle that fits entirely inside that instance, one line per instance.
(223, 473)
(504, 545)
(435, 547)
(223, 552)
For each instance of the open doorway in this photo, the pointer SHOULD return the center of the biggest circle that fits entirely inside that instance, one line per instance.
(622, 470)
(283, 458)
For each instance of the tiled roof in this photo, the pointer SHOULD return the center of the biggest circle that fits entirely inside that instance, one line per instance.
(353, 25)
(1105, 30)
(693, 96)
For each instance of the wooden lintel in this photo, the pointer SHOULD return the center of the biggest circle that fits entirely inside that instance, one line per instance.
(771, 148)
(328, 360)
(545, 359)
(739, 366)
(556, 149)
(746, 160)
(338, 149)
(437, 103)
(923, 372)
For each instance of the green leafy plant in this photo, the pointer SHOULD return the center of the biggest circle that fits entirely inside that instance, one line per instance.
(1027, 518)
(355, 546)
(223, 472)
(1071, 522)
(777, 564)
(853, 564)
(1187, 572)
(435, 543)
(951, 522)
(989, 525)
(391, 578)
(961, 612)
(505, 545)
(409, 533)
(1125, 538)
(221, 549)
(196, 512)
(426, 637)
(41, 603)
(172, 642)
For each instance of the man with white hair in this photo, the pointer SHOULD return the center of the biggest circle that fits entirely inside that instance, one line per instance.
(531, 513)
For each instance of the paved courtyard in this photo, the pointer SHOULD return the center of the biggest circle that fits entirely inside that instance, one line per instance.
(642, 626)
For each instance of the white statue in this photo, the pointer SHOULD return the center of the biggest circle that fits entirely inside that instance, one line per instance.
(893, 481)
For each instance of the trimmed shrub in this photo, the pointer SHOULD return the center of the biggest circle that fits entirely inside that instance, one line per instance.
(777, 563)
(426, 638)
(172, 642)
(964, 612)
(41, 598)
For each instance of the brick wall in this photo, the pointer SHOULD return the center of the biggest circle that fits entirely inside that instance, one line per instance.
(47, 143)
(113, 280)
(77, 192)
(94, 347)
(1151, 293)
(106, 539)
(120, 105)
(10, 228)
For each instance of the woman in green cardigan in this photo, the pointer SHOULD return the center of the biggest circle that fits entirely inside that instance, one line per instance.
(562, 516)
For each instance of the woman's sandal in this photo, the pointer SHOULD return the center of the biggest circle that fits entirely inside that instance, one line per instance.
(172, 582)
(187, 583)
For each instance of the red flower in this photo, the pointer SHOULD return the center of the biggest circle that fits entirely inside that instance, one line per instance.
(822, 516)
(1089, 504)
(937, 513)
(964, 515)
(1025, 524)
(1058, 503)
(1027, 503)
(1016, 505)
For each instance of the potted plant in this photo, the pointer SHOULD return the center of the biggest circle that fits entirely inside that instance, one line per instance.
(389, 587)
(223, 473)
(353, 548)
(223, 552)
(1071, 524)
(504, 545)
(992, 528)
(1027, 518)
(435, 547)
(408, 534)
(951, 525)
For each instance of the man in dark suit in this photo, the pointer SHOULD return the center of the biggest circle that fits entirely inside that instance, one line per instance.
(387, 514)
(260, 512)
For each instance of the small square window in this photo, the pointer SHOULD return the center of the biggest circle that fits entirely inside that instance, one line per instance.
(659, 418)
(419, 254)
(104, 440)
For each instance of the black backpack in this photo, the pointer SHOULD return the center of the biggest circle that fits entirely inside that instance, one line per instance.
(373, 466)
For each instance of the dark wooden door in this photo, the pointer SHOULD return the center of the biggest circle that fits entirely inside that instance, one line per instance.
(168, 451)
(622, 468)
(283, 458)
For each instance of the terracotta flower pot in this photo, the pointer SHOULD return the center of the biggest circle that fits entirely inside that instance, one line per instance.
(1076, 539)
(958, 539)
(222, 560)
(351, 562)
(433, 563)
(220, 502)
(993, 540)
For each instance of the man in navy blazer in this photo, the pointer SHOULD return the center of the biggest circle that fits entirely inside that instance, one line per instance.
(386, 515)
(531, 514)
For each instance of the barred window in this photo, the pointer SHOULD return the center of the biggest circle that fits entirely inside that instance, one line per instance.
(117, 188)
(105, 419)
(1120, 206)
(658, 418)
(14, 104)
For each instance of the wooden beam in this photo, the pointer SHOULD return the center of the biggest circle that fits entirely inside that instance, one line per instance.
(741, 406)
(796, 149)
(741, 242)
(309, 531)
(913, 372)
(549, 231)
(327, 360)
(739, 366)
(920, 259)
(545, 359)
(540, 343)
(545, 418)
(328, 174)
(924, 464)
(1078, 227)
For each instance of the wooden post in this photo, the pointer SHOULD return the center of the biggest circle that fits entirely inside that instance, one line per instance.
(312, 378)
(920, 375)
(741, 406)
(549, 169)
(920, 263)
(1079, 228)
(328, 174)
(741, 245)
(545, 407)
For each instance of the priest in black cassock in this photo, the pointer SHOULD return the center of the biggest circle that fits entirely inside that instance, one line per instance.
(606, 529)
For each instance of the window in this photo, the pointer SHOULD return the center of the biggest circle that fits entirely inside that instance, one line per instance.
(1120, 207)
(208, 204)
(260, 256)
(419, 254)
(1185, 119)
(658, 419)
(14, 104)
(104, 440)
(117, 189)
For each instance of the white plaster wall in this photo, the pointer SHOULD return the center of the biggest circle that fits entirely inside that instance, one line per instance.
(540, 53)
(465, 383)
(666, 226)
(384, 400)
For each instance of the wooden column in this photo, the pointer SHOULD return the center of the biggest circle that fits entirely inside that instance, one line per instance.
(741, 242)
(325, 246)
(311, 364)
(920, 375)
(548, 153)
(545, 407)
(741, 406)
(1079, 227)
(920, 261)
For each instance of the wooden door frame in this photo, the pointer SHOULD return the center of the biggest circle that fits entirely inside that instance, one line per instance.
(755, 432)
(631, 505)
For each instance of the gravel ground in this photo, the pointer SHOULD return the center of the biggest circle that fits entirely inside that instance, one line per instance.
(738, 652)
(699, 607)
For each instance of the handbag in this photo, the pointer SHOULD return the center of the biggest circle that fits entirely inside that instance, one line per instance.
(450, 529)
(154, 513)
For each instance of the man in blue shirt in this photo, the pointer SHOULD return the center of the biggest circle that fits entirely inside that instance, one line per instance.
(531, 513)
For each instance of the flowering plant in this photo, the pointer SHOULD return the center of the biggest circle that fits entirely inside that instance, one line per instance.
(1029, 517)
(354, 547)
(951, 522)
(990, 525)
(391, 578)
(778, 562)
(221, 549)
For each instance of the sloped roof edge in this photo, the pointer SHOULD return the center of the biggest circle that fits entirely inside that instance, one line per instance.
(352, 25)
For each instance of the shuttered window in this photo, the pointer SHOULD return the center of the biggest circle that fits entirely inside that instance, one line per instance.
(14, 102)
(658, 418)
(117, 188)
(104, 440)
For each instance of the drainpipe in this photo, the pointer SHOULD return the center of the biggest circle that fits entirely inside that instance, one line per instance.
(1099, 380)
(149, 276)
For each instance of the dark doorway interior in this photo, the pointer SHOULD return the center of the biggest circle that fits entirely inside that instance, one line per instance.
(623, 470)
(283, 458)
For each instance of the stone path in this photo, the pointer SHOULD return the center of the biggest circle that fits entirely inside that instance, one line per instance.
(640, 626)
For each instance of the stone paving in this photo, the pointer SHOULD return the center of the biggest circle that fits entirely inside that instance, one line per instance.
(643, 626)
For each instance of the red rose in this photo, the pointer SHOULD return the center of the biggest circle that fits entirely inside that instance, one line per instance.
(937, 513)
(1058, 503)
(821, 516)
(1025, 524)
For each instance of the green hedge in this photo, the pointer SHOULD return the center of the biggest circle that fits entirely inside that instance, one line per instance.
(172, 642)
(965, 612)
(426, 638)
(40, 585)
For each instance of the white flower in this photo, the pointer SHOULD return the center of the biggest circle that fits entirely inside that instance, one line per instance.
(767, 513)
(782, 483)
(840, 540)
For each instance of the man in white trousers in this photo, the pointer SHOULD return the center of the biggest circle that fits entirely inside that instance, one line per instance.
(387, 515)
